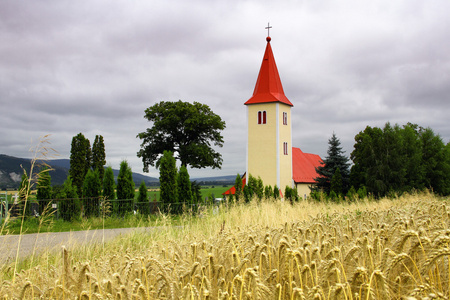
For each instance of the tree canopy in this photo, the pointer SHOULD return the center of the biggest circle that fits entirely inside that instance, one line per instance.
(187, 130)
(399, 159)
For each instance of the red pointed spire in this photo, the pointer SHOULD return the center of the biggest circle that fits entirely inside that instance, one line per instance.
(268, 86)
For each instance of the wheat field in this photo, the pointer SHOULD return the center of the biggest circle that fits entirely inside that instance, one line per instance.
(386, 249)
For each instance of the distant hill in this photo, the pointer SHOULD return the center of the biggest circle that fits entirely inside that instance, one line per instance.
(11, 170)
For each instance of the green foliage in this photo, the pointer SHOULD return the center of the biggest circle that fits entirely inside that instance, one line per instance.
(334, 160)
(143, 193)
(259, 189)
(125, 183)
(196, 192)
(291, 194)
(69, 205)
(268, 192)
(396, 159)
(336, 183)
(80, 160)
(238, 187)
(276, 192)
(248, 193)
(351, 194)
(184, 186)
(91, 193)
(185, 129)
(44, 188)
(168, 179)
(99, 156)
(108, 184)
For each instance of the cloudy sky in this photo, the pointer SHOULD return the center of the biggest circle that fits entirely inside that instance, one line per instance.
(94, 66)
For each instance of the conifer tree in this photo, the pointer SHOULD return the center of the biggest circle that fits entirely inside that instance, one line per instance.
(125, 183)
(80, 160)
(69, 206)
(238, 187)
(143, 192)
(99, 156)
(91, 193)
(184, 186)
(335, 159)
(196, 192)
(108, 184)
(168, 180)
(336, 183)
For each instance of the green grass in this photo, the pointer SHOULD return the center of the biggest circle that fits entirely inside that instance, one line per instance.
(42, 224)
(51, 224)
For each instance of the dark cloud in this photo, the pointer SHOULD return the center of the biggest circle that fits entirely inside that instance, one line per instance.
(94, 66)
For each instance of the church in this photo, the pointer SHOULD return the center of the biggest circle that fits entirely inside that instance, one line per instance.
(270, 153)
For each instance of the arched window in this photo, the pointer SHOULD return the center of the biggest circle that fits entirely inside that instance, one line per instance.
(285, 122)
(285, 148)
(262, 117)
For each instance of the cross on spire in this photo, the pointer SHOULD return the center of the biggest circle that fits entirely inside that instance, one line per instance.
(268, 29)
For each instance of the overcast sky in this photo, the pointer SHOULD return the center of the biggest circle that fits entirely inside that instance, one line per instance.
(94, 66)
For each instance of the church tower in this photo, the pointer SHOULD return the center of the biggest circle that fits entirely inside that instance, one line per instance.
(269, 140)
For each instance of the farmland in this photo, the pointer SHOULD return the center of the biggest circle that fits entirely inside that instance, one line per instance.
(384, 249)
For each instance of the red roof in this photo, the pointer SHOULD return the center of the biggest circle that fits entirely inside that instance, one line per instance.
(232, 190)
(304, 166)
(268, 86)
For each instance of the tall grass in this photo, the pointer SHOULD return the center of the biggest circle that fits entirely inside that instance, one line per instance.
(388, 249)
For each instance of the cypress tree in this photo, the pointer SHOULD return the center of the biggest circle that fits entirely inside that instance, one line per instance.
(168, 180)
(80, 160)
(99, 156)
(125, 183)
(184, 186)
(91, 193)
(108, 184)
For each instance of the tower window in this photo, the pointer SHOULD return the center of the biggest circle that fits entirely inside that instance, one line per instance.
(262, 117)
(285, 148)
(285, 122)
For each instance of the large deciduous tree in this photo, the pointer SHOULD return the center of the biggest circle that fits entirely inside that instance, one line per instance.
(397, 159)
(185, 129)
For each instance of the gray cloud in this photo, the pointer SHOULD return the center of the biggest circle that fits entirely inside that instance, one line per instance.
(95, 66)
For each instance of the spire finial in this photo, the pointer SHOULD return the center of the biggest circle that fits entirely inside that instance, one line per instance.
(268, 31)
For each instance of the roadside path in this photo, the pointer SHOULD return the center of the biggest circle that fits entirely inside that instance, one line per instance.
(53, 241)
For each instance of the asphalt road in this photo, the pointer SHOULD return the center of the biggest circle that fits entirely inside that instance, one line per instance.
(53, 241)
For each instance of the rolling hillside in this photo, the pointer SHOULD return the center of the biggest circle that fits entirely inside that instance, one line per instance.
(11, 170)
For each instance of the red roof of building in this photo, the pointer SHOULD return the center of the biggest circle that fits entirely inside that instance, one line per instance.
(232, 190)
(304, 166)
(268, 86)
